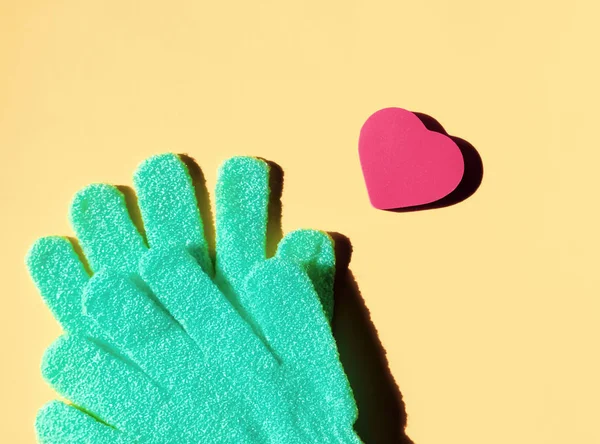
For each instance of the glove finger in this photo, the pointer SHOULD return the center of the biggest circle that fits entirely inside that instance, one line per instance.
(59, 423)
(141, 330)
(105, 230)
(242, 197)
(232, 351)
(169, 207)
(101, 383)
(191, 297)
(282, 300)
(313, 251)
(60, 277)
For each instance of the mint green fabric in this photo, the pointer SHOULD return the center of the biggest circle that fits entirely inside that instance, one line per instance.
(313, 250)
(230, 370)
(57, 422)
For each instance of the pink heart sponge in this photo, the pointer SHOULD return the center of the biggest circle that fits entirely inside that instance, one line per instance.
(404, 163)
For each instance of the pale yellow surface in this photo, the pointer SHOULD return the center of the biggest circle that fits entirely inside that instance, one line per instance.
(489, 310)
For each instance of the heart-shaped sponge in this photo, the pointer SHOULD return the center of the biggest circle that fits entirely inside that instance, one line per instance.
(405, 164)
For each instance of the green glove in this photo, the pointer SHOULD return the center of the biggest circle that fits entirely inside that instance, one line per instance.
(171, 217)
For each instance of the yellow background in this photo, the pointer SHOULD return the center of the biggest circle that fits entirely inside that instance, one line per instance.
(488, 309)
